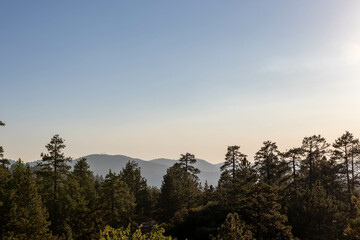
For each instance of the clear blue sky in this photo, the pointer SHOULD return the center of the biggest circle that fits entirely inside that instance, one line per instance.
(159, 78)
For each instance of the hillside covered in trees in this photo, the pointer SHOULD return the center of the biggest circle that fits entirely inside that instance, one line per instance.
(307, 192)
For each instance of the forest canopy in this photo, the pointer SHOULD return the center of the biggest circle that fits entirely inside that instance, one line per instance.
(307, 192)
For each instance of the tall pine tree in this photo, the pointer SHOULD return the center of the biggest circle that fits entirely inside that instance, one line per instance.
(314, 149)
(355, 154)
(52, 173)
(186, 161)
(294, 156)
(342, 152)
(270, 166)
(233, 159)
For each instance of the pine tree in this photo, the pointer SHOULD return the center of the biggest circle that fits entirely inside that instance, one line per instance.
(355, 154)
(186, 160)
(294, 154)
(314, 215)
(228, 187)
(26, 217)
(75, 219)
(342, 152)
(154, 195)
(3, 161)
(116, 203)
(266, 214)
(208, 193)
(257, 205)
(5, 177)
(51, 175)
(233, 159)
(81, 184)
(82, 172)
(328, 176)
(269, 165)
(131, 176)
(86, 181)
(179, 191)
(314, 149)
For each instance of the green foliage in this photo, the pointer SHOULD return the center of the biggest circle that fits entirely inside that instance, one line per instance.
(257, 204)
(116, 203)
(5, 193)
(52, 170)
(234, 229)
(233, 159)
(55, 161)
(269, 166)
(352, 231)
(208, 193)
(342, 152)
(3, 161)
(314, 215)
(314, 149)
(4, 178)
(228, 187)
(186, 160)
(86, 181)
(294, 156)
(131, 176)
(154, 196)
(178, 190)
(354, 161)
(73, 210)
(109, 233)
(82, 172)
(81, 201)
(52, 173)
(329, 178)
(26, 216)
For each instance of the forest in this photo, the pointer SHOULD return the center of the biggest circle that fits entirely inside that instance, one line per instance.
(307, 192)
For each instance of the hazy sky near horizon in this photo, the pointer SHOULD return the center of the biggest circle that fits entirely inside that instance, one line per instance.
(153, 79)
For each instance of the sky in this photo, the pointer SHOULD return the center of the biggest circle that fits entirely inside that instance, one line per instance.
(151, 79)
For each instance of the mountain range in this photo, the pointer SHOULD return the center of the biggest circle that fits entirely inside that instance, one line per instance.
(152, 170)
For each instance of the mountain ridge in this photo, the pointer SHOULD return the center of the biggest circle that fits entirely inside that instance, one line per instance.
(152, 170)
